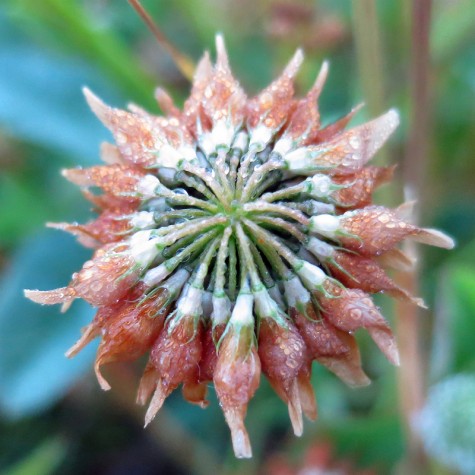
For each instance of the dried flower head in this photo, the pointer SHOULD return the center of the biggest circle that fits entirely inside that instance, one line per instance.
(234, 237)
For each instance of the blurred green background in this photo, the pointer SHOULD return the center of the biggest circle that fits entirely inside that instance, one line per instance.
(53, 417)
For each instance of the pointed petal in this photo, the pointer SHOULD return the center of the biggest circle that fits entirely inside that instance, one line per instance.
(307, 394)
(272, 105)
(166, 103)
(51, 297)
(295, 408)
(158, 398)
(433, 237)
(135, 136)
(89, 333)
(147, 384)
(398, 260)
(240, 437)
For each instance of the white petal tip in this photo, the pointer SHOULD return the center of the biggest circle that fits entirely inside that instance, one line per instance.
(436, 238)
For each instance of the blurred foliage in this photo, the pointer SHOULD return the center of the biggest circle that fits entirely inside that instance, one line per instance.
(54, 419)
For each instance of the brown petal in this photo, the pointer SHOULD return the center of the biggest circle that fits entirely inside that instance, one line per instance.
(195, 393)
(354, 309)
(379, 229)
(223, 96)
(130, 333)
(350, 151)
(212, 335)
(175, 356)
(361, 186)
(105, 278)
(271, 107)
(365, 274)
(114, 179)
(335, 349)
(281, 351)
(136, 139)
(236, 379)
(306, 118)
(306, 392)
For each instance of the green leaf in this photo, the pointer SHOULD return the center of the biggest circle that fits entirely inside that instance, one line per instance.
(33, 370)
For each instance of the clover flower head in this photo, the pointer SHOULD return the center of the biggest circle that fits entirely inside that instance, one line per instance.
(237, 237)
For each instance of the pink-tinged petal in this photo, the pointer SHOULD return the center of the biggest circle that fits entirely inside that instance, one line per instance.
(166, 103)
(349, 151)
(212, 335)
(110, 154)
(51, 297)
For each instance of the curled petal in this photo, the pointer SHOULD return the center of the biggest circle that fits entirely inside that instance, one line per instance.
(195, 393)
(305, 388)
